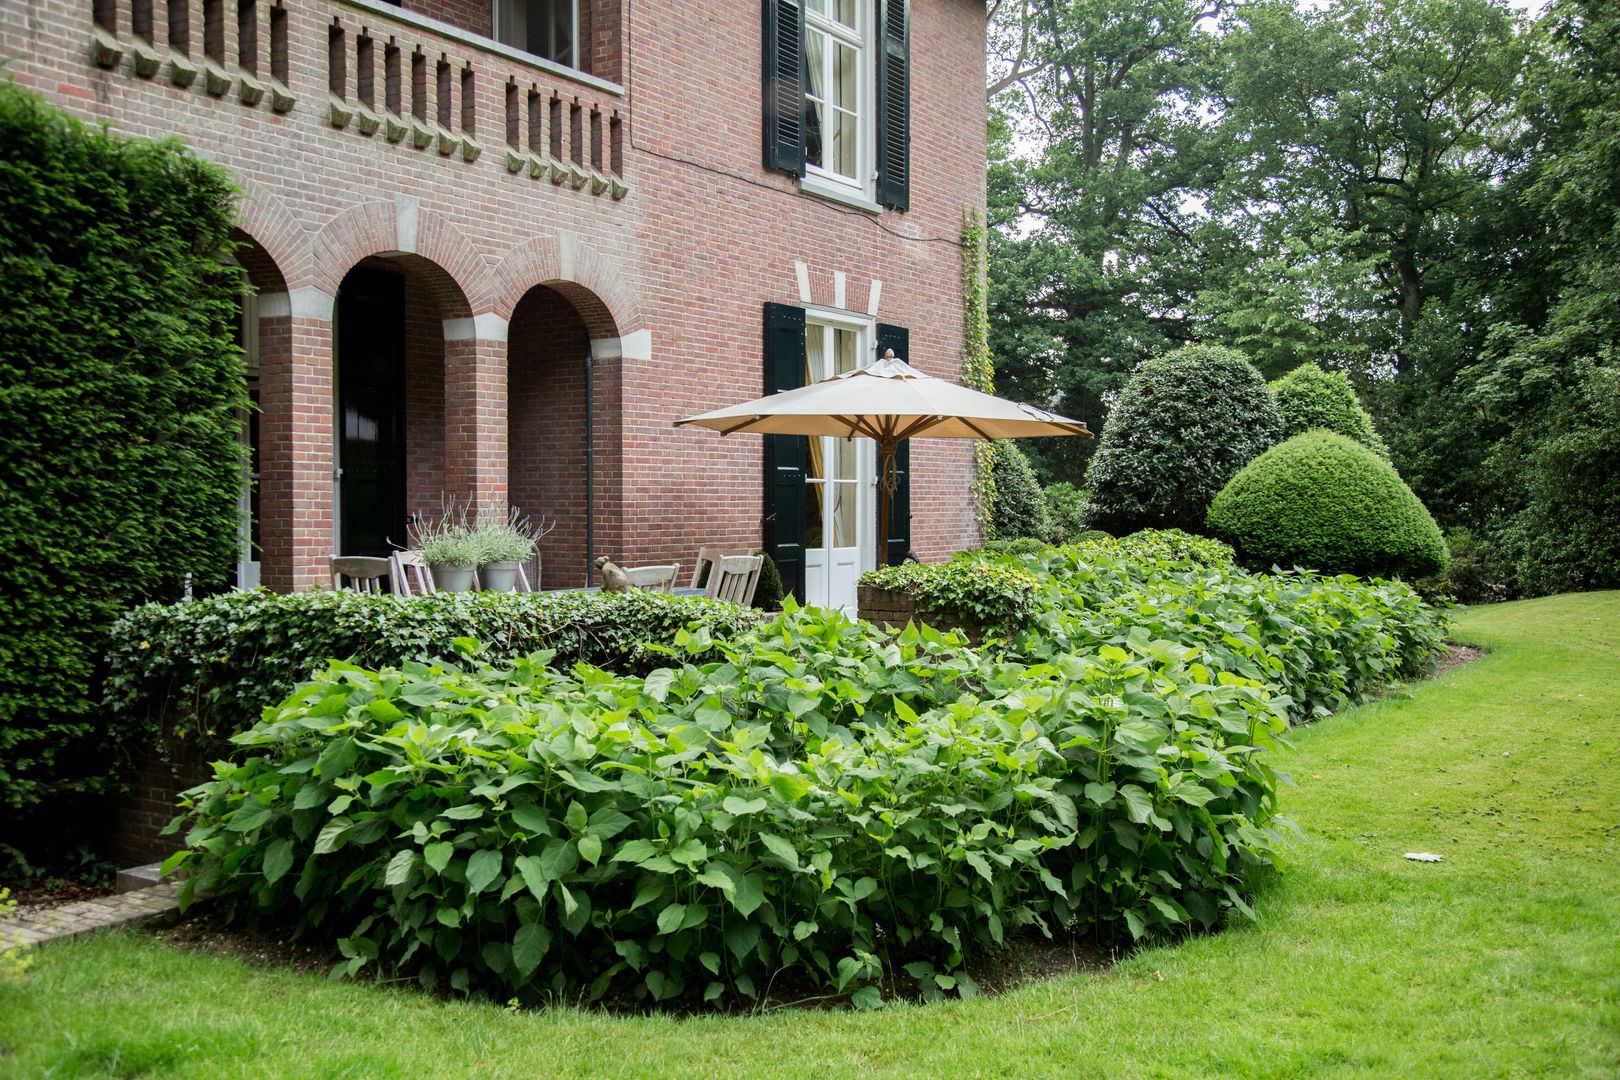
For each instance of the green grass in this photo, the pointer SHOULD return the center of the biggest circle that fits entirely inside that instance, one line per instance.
(1501, 961)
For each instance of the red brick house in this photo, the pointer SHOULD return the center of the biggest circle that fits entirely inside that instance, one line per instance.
(497, 246)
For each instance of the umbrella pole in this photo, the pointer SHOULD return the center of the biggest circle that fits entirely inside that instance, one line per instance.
(886, 485)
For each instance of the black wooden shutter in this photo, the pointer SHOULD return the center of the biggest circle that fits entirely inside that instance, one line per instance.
(784, 86)
(898, 338)
(786, 456)
(894, 105)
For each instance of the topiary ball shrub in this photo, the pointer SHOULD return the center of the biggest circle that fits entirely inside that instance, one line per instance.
(1020, 506)
(1328, 503)
(1184, 425)
(1310, 398)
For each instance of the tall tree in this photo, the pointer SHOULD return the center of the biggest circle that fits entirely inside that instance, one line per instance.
(1379, 117)
(1096, 147)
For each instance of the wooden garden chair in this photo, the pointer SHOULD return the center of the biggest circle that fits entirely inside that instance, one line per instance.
(363, 573)
(654, 578)
(735, 577)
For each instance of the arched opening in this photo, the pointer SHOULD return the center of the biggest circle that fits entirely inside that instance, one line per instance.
(399, 324)
(264, 334)
(563, 462)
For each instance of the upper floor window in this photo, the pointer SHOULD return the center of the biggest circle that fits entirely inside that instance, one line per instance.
(835, 86)
(837, 92)
(546, 28)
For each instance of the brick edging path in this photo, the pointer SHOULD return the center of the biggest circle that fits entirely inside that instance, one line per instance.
(155, 906)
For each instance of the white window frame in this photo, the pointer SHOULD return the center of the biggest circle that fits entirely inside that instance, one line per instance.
(859, 190)
(500, 11)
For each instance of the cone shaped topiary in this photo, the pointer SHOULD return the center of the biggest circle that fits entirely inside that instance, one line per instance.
(1327, 503)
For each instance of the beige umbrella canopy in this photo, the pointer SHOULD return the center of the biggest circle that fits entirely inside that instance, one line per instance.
(889, 402)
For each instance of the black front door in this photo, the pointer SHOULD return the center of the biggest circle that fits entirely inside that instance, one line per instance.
(371, 412)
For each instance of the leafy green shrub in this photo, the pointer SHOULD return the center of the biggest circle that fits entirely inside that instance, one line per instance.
(1160, 545)
(825, 805)
(1309, 398)
(119, 391)
(1474, 572)
(211, 667)
(1323, 643)
(1322, 501)
(1024, 545)
(768, 596)
(995, 591)
(1066, 506)
(1184, 425)
(1019, 508)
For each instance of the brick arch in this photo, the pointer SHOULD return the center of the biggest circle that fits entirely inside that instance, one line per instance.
(372, 228)
(592, 284)
(264, 273)
(266, 221)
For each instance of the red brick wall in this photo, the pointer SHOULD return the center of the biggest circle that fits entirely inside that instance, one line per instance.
(136, 819)
(703, 238)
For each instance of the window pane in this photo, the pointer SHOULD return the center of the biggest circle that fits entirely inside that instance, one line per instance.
(814, 531)
(846, 85)
(562, 31)
(815, 47)
(817, 6)
(815, 349)
(845, 357)
(845, 453)
(843, 515)
(843, 11)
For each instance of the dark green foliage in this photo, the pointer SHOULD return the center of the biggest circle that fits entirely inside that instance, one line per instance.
(1020, 508)
(1309, 398)
(1066, 504)
(1184, 425)
(1324, 642)
(825, 806)
(1325, 502)
(120, 387)
(768, 596)
(211, 667)
(1472, 576)
(1024, 545)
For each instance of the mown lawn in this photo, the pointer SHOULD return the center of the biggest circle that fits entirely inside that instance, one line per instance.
(1501, 961)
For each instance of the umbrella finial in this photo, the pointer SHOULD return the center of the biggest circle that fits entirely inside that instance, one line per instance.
(888, 354)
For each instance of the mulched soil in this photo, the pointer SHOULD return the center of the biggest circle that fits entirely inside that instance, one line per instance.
(1455, 657)
(41, 895)
(207, 932)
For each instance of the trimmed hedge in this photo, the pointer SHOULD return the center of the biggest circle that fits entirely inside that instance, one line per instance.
(826, 807)
(1326, 502)
(120, 386)
(1020, 505)
(1183, 426)
(1310, 398)
(211, 667)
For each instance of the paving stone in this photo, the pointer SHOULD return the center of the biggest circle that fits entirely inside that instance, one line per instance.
(154, 906)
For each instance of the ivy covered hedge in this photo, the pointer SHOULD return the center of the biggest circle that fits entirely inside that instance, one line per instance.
(822, 808)
(120, 386)
(210, 668)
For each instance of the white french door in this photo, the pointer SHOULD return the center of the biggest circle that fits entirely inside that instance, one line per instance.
(839, 524)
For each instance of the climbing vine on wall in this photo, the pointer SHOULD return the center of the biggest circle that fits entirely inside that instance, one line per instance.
(978, 371)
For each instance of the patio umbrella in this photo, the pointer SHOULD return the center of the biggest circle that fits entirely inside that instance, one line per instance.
(888, 402)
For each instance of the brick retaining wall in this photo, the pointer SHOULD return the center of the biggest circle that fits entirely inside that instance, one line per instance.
(136, 819)
(896, 607)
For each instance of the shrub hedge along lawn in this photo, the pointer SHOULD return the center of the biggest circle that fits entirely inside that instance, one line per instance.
(1323, 501)
(810, 806)
(120, 387)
